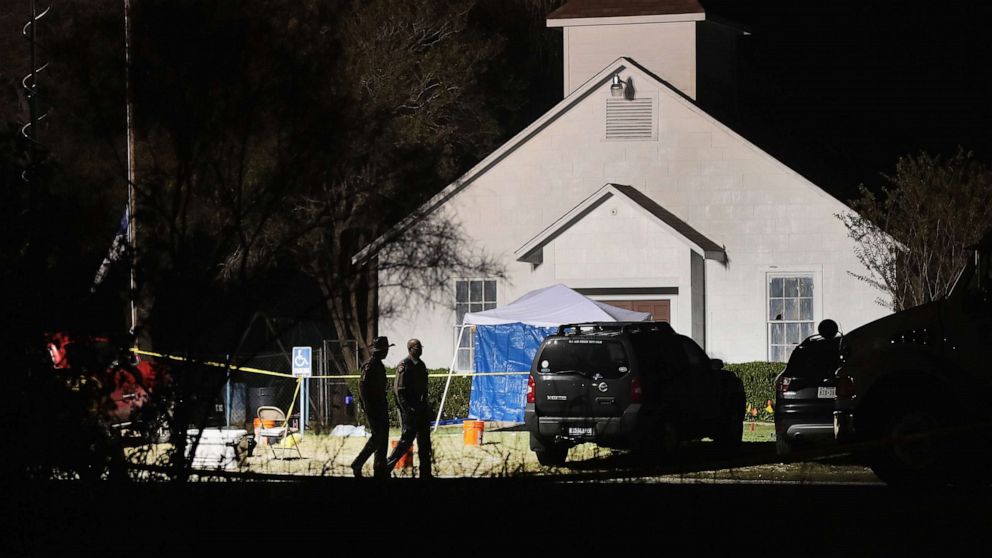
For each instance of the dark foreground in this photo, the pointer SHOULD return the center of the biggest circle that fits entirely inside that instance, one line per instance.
(335, 517)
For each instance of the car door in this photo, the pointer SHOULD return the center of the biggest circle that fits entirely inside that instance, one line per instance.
(703, 387)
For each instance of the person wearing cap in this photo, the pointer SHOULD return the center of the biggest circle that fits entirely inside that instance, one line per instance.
(372, 394)
(410, 388)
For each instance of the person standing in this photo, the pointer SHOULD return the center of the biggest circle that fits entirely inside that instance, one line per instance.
(410, 389)
(372, 394)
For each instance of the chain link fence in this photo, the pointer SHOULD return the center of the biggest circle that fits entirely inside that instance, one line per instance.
(332, 400)
(328, 401)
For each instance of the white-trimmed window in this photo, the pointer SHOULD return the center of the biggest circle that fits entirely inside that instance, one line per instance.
(790, 313)
(471, 295)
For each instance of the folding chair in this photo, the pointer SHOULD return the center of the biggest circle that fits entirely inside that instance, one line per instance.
(281, 429)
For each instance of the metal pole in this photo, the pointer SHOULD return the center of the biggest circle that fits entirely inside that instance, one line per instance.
(33, 92)
(227, 399)
(131, 201)
(304, 405)
(30, 131)
(323, 390)
(319, 386)
(447, 383)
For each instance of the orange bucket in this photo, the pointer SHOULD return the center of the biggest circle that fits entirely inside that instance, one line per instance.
(258, 424)
(266, 423)
(472, 432)
(406, 460)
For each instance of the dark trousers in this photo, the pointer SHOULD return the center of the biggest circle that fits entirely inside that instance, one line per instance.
(415, 425)
(379, 427)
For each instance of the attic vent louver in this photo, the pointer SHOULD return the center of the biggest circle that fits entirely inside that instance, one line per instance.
(631, 119)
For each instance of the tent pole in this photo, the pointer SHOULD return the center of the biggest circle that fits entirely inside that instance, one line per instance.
(447, 384)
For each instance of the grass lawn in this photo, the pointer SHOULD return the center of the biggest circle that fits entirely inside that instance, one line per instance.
(507, 453)
(762, 432)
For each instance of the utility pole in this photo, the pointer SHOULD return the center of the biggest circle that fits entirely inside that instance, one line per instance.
(131, 225)
(30, 130)
(32, 86)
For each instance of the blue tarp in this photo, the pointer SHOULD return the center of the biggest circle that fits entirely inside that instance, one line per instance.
(503, 348)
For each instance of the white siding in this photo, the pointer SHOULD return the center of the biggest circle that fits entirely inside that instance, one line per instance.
(666, 49)
(616, 245)
(763, 213)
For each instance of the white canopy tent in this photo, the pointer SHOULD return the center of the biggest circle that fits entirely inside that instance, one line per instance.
(547, 307)
(553, 306)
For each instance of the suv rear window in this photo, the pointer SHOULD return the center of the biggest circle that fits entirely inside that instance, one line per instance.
(605, 357)
(815, 358)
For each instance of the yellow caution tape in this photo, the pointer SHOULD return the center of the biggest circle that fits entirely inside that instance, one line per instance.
(217, 364)
(292, 403)
(250, 370)
(471, 374)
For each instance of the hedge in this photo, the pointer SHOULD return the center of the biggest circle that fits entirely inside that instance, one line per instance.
(455, 406)
(758, 378)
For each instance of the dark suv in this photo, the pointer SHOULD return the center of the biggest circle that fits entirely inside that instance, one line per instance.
(805, 391)
(912, 387)
(635, 385)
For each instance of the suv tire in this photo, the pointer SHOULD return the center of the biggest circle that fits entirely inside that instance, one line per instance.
(782, 446)
(731, 429)
(552, 457)
(548, 454)
(904, 457)
(660, 442)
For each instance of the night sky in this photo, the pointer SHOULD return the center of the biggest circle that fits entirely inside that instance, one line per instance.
(838, 90)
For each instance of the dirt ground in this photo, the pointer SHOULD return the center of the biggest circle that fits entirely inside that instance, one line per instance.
(506, 453)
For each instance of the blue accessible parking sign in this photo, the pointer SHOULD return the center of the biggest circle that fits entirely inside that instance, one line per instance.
(302, 361)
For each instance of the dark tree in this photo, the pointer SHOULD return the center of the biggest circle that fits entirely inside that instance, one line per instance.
(914, 238)
(272, 136)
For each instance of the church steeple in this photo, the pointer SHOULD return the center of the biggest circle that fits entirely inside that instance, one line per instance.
(658, 34)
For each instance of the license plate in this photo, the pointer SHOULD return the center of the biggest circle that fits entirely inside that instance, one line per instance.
(580, 431)
(826, 392)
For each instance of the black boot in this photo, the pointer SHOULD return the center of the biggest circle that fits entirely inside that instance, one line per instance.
(381, 473)
(391, 464)
(395, 457)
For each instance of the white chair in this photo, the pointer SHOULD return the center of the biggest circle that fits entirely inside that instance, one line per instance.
(281, 430)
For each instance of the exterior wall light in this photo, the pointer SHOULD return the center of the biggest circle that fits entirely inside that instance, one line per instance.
(616, 88)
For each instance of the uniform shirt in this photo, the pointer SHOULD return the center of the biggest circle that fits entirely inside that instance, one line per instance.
(372, 386)
(411, 382)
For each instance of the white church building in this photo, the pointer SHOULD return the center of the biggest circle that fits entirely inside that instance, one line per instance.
(630, 193)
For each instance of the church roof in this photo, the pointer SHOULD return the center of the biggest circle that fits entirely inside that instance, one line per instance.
(577, 9)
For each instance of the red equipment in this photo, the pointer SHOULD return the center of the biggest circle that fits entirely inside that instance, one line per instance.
(122, 380)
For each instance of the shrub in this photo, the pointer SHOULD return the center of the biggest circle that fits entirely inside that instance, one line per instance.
(758, 378)
(456, 405)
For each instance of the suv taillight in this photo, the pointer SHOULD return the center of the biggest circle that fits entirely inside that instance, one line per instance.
(782, 384)
(845, 386)
(636, 391)
(530, 389)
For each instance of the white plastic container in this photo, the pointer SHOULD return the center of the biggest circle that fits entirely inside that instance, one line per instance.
(218, 448)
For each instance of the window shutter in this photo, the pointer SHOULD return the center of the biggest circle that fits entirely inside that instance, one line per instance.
(631, 119)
